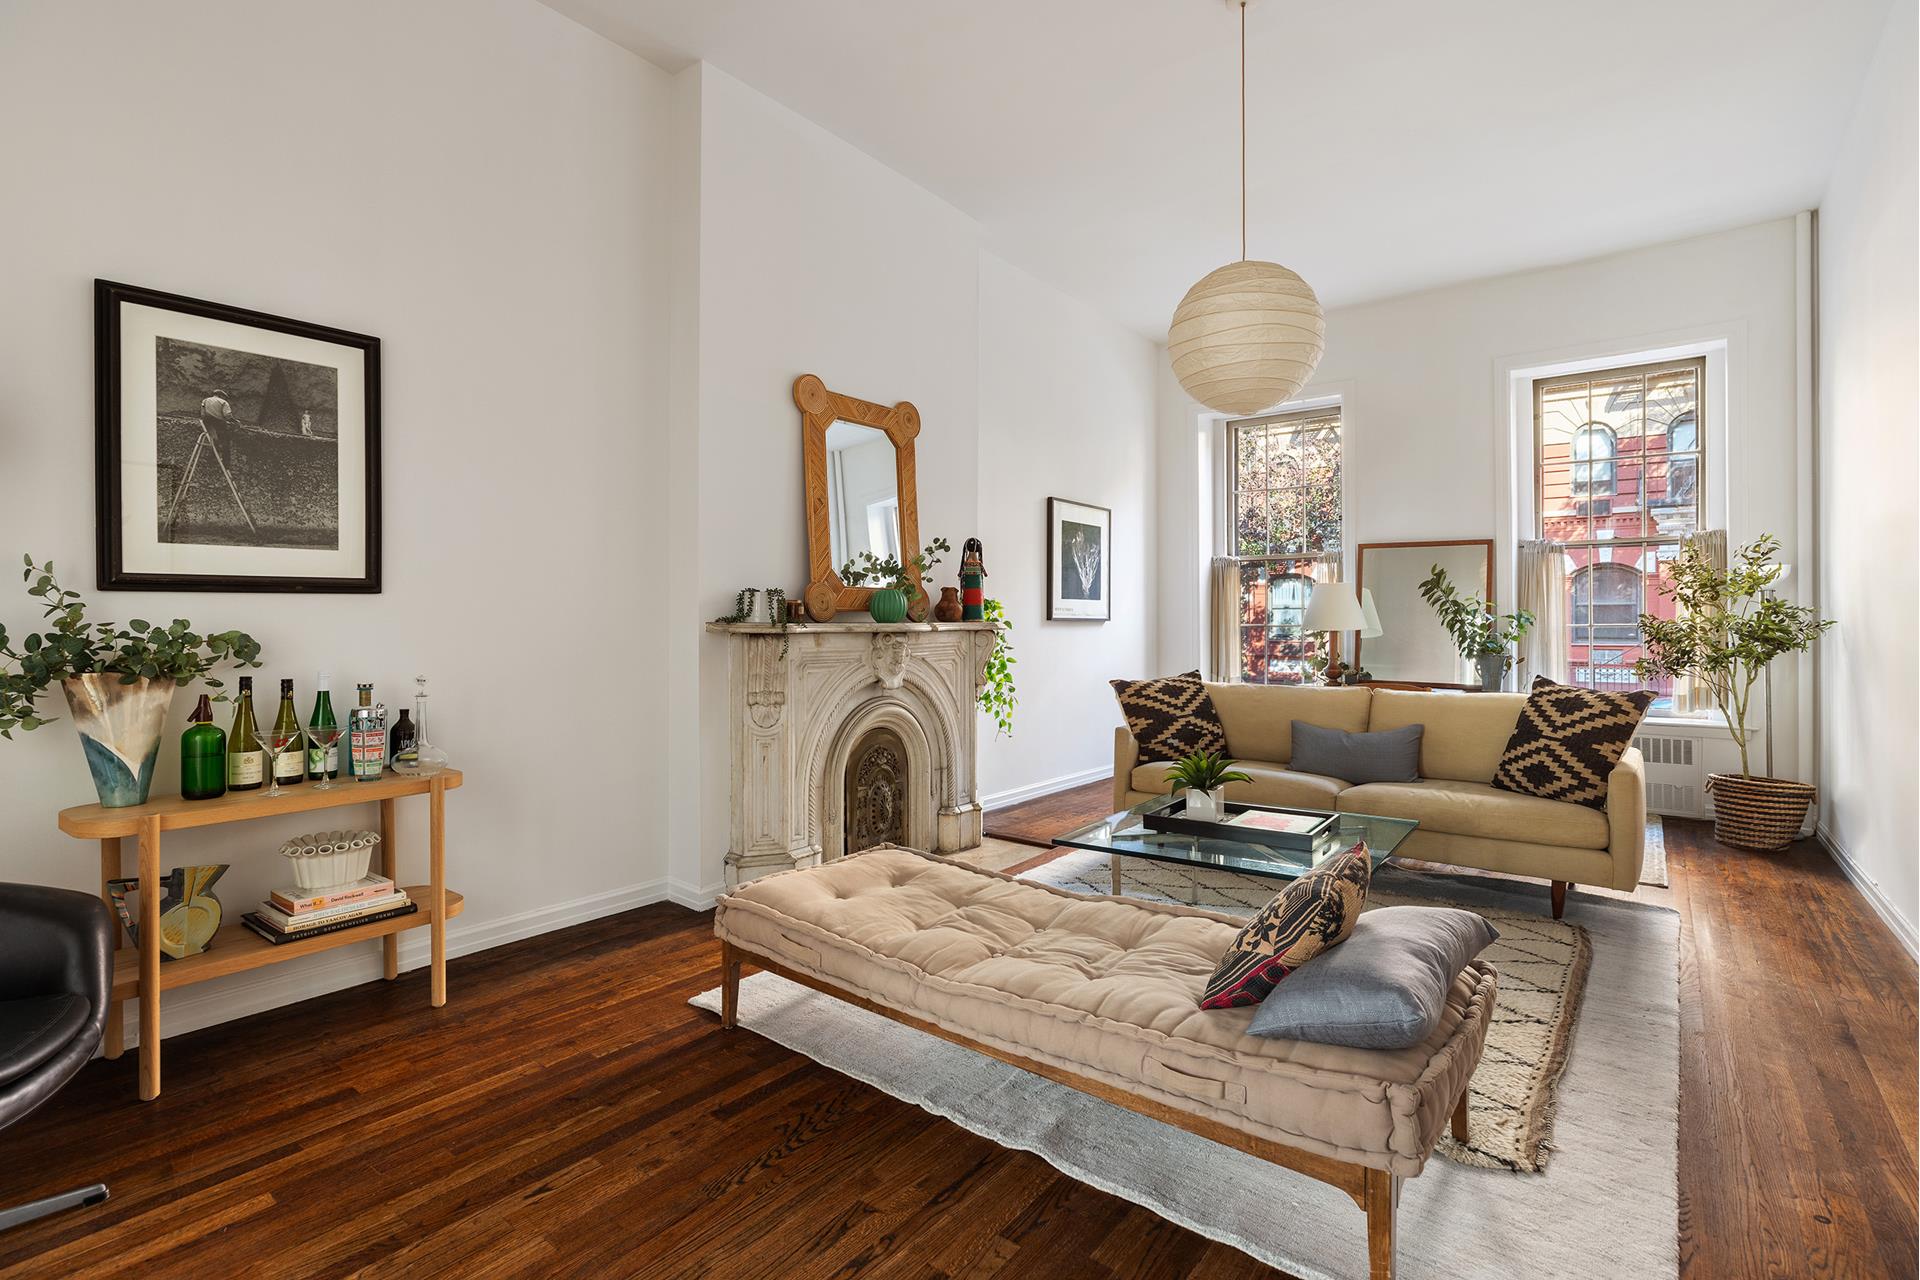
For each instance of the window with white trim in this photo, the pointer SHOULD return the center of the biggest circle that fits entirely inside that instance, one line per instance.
(1284, 491)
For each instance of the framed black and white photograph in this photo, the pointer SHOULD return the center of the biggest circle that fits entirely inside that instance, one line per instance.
(236, 451)
(1079, 538)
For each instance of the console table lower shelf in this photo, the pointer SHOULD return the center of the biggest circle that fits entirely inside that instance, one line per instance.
(236, 948)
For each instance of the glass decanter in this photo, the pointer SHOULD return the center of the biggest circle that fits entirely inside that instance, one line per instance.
(425, 758)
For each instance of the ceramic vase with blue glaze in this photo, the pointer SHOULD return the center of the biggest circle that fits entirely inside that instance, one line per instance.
(120, 726)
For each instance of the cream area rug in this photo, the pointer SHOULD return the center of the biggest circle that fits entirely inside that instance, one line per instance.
(1606, 1207)
(1653, 869)
(1542, 964)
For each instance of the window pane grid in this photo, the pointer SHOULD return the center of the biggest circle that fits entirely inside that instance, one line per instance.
(1285, 474)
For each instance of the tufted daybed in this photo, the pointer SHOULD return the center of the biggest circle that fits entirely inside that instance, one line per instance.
(1101, 994)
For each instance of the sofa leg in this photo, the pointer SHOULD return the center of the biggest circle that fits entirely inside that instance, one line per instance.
(729, 986)
(1460, 1118)
(1559, 898)
(1381, 1190)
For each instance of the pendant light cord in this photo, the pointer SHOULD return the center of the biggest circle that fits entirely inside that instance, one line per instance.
(1243, 130)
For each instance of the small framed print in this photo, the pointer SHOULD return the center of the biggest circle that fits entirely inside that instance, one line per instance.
(235, 451)
(1079, 539)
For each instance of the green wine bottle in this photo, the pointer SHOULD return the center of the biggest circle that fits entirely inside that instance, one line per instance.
(291, 767)
(203, 755)
(246, 762)
(323, 762)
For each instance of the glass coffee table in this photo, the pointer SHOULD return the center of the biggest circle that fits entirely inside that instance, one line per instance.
(1124, 835)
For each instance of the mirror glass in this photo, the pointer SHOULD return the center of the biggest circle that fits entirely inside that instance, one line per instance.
(863, 492)
(1412, 645)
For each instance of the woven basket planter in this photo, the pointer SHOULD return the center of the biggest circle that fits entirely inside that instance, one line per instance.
(1762, 814)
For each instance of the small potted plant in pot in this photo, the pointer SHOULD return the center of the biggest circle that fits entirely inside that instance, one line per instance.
(1205, 775)
(1482, 636)
(896, 587)
(118, 681)
(1730, 627)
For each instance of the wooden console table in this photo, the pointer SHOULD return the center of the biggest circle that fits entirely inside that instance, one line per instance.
(236, 948)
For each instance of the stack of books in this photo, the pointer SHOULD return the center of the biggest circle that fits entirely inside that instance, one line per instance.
(289, 915)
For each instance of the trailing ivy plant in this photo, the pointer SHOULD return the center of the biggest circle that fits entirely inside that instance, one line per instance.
(997, 693)
(1730, 626)
(744, 601)
(1476, 630)
(891, 572)
(72, 646)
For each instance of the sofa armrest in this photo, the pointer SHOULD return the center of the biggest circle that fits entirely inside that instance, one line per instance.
(1627, 818)
(1126, 754)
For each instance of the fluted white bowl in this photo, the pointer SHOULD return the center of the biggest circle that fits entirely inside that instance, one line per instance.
(325, 860)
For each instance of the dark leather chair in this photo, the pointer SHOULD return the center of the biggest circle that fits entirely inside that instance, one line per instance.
(56, 971)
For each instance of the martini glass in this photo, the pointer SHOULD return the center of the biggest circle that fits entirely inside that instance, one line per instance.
(280, 744)
(323, 738)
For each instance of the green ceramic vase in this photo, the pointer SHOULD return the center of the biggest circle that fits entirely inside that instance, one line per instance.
(887, 604)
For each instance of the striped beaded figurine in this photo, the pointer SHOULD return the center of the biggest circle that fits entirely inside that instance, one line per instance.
(973, 581)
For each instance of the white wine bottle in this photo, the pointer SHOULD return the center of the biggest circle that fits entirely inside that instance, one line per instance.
(246, 760)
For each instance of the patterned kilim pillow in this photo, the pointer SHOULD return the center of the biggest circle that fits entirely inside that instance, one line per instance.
(1313, 913)
(1170, 716)
(1568, 740)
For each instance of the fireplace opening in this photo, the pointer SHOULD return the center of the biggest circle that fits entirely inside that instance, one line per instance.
(876, 786)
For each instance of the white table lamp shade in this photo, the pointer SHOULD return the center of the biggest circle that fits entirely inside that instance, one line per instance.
(1371, 628)
(1333, 607)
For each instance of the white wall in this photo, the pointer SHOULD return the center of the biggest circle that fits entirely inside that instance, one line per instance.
(1869, 387)
(1425, 418)
(476, 184)
(1066, 411)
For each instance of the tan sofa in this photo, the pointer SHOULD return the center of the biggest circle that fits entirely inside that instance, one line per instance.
(1463, 819)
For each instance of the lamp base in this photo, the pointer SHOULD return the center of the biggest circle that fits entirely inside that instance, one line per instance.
(1336, 674)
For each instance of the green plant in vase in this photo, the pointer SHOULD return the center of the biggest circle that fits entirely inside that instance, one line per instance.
(1730, 627)
(1204, 776)
(896, 583)
(1482, 636)
(118, 680)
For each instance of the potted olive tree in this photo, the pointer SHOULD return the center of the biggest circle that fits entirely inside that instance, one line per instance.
(118, 681)
(1730, 627)
(1482, 636)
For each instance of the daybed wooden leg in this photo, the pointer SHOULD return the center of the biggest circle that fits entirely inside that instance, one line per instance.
(729, 986)
(1460, 1118)
(1559, 898)
(1381, 1191)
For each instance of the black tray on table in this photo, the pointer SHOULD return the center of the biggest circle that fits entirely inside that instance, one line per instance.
(1172, 818)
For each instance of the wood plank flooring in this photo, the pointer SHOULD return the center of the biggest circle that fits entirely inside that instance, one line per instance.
(567, 1114)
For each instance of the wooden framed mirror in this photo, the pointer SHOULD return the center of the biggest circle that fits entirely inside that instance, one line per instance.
(858, 459)
(1412, 647)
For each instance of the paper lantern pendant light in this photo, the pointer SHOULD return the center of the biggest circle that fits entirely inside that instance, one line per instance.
(1250, 334)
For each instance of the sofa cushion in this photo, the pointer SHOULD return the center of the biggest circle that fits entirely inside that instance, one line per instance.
(1385, 987)
(1464, 733)
(1567, 741)
(1171, 717)
(1271, 785)
(1480, 810)
(1258, 718)
(1392, 755)
(1315, 912)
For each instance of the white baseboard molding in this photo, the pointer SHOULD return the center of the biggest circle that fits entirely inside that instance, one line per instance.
(1883, 906)
(1065, 782)
(692, 897)
(225, 999)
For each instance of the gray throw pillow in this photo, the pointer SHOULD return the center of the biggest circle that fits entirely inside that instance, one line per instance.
(1385, 987)
(1392, 755)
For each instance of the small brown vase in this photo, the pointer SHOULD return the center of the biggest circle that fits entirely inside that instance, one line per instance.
(949, 609)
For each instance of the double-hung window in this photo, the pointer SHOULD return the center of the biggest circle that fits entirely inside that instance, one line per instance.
(1619, 465)
(1284, 480)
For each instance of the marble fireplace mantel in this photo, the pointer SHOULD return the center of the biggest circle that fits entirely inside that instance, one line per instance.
(802, 697)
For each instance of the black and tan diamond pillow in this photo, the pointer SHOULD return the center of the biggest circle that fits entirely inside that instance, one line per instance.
(1568, 740)
(1170, 716)
(1315, 912)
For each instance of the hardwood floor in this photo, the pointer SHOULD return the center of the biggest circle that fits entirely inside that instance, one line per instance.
(567, 1114)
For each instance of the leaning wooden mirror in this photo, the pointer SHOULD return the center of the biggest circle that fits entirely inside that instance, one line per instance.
(1412, 647)
(858, 459)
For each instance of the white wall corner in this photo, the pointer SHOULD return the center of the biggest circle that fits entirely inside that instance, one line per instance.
(1904, 930)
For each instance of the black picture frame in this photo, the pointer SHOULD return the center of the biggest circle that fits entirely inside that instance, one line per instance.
(1061, 608)
(112, 573)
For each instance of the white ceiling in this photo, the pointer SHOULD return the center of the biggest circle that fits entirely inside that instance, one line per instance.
(1394, 144)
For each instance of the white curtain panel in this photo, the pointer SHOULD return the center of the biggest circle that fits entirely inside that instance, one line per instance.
(1225, 627)
(1690, 695)
(1540, 581)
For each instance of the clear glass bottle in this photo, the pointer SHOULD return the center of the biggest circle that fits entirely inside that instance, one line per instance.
(423, 757)
(367, 737)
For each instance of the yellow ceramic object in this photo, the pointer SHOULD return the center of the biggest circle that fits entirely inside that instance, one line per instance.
(189, 912)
